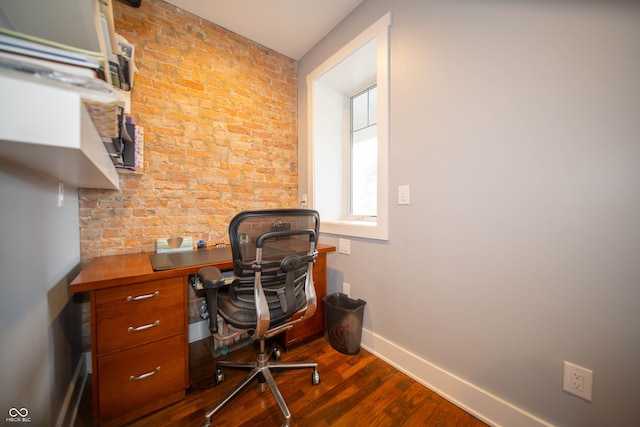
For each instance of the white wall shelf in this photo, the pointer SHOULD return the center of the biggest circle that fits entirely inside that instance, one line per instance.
(48, 130)
(45, 127)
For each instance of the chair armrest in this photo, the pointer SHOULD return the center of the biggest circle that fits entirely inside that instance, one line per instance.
(212, 280)
(211, 277)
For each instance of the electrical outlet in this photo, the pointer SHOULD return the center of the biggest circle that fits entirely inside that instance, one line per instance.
(346, 289)
(577, 380)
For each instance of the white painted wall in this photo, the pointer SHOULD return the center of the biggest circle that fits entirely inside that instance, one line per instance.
(517, 126)
(40, 325)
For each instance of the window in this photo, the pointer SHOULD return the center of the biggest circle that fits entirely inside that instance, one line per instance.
(349, 136)
(363, 157)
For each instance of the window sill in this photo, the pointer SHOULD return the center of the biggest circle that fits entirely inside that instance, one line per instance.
(355, 228)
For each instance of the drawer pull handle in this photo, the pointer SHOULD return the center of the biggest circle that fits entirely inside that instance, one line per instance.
(139, 297)
(143, 376)
(143, 327)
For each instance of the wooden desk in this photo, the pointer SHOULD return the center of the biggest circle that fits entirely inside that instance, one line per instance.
(140, 330)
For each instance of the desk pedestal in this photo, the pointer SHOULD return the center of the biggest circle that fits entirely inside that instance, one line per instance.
(139, 346)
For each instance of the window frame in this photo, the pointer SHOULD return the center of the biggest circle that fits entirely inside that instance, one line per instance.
(327, 188)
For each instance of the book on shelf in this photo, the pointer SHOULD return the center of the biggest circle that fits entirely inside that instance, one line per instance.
(127, 150)
(126, 56)
(77, 79)
(121, 66)
(114, 69)
(29, 64)
(139, 149)
(108, 29)
(115, 151)
(125, 82)
(19, 43)
(99, 98)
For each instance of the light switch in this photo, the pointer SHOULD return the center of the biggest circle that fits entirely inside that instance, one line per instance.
(403, 195)
(344, 246)
(60, 194)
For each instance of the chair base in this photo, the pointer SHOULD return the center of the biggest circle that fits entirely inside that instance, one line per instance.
(261, 369)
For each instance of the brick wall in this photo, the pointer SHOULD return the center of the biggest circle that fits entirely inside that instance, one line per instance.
(219, 114)
(220, 120)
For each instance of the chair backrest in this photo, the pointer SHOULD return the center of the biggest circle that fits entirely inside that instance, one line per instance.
(273, 253)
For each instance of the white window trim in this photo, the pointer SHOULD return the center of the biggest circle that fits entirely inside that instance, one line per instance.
(366, 228)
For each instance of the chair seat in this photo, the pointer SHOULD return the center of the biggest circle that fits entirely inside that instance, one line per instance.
(243, 318)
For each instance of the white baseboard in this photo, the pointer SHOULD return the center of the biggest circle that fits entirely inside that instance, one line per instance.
(476, 401)
(71, 402)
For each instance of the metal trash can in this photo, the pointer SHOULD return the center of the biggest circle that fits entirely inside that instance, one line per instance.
(344, 322)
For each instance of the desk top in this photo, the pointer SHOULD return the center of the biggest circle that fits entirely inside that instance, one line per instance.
(117, 270)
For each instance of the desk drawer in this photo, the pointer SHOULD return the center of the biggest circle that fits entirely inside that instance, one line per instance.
(132, 378)
(132, 315)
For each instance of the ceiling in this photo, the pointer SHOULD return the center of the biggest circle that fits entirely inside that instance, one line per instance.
(290, 27)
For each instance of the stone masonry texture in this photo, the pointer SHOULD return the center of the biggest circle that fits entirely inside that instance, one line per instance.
(220, 122)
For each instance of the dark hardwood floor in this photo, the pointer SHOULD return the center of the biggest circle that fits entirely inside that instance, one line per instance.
(354, 391)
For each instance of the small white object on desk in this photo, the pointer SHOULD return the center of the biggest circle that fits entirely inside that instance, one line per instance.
(174, 244)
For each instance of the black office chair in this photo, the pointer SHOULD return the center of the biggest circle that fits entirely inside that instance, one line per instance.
(273, 256)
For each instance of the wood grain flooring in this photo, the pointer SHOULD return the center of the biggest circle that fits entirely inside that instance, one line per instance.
(359, 390)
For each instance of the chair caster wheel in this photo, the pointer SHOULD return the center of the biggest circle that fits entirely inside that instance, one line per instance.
(219, 376)
(315, 378)
(277, 354)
